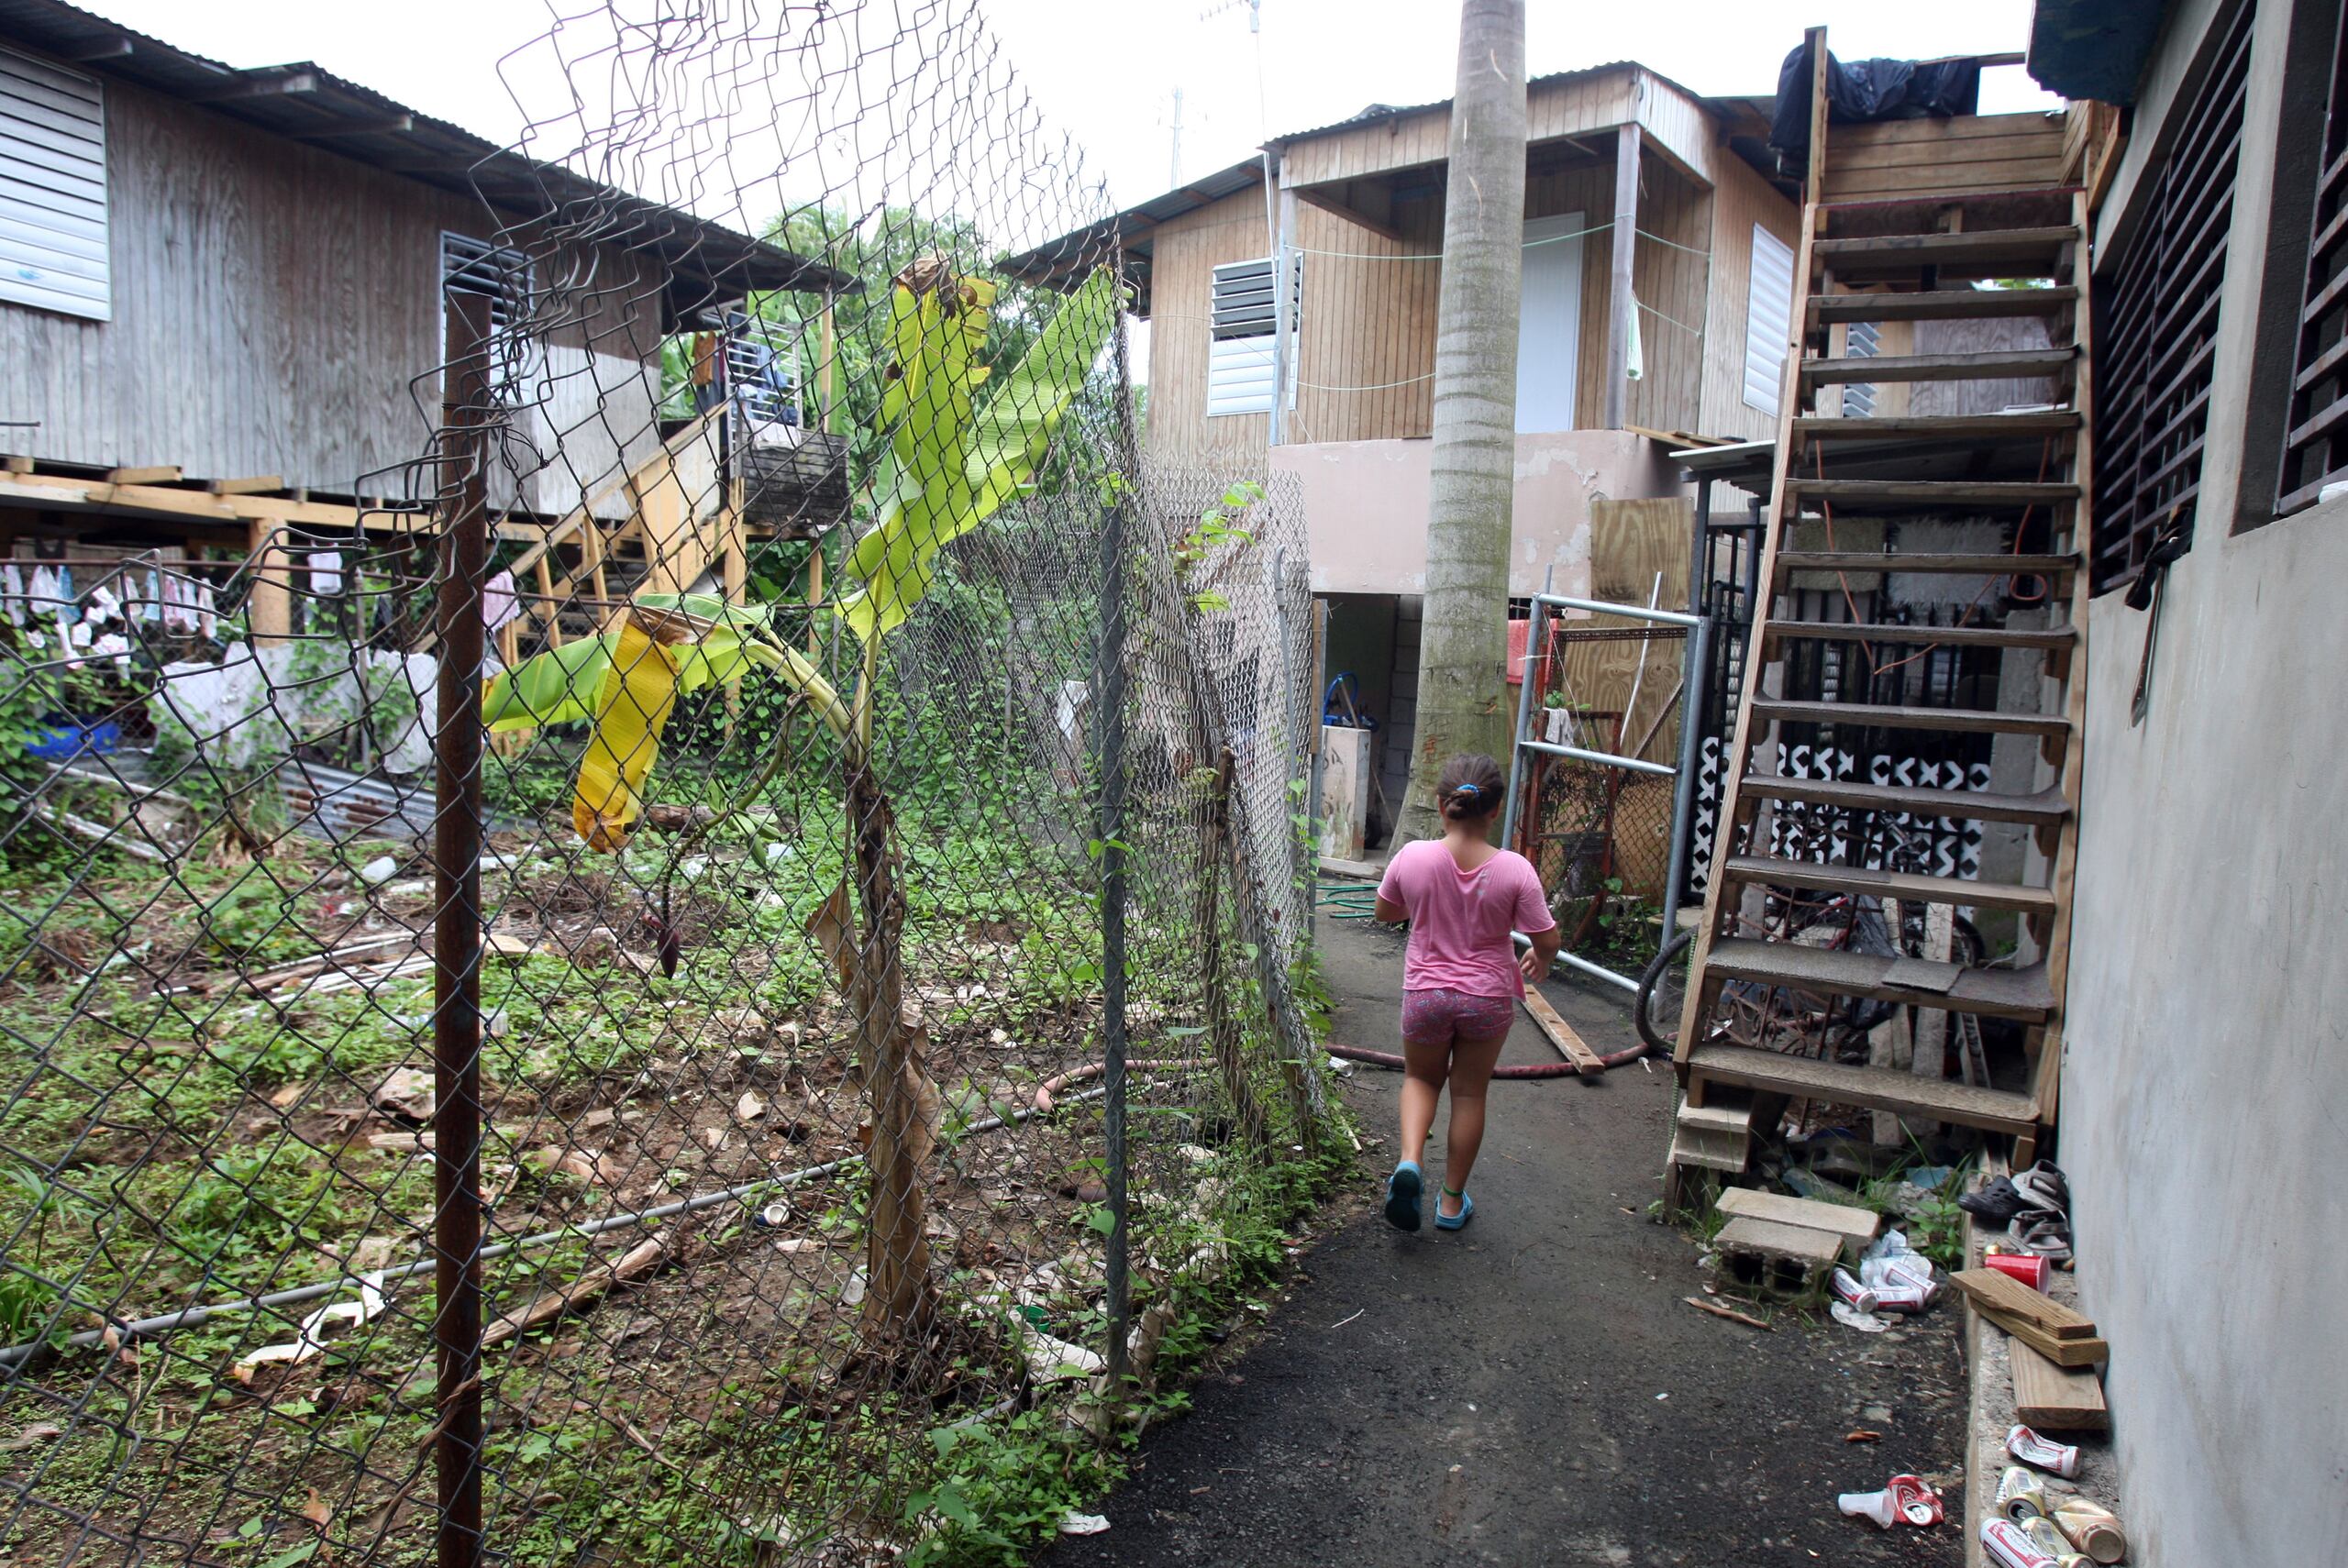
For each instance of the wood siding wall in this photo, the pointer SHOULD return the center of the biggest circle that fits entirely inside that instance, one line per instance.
(273, 304)
(1741, 200)
(1366, 356)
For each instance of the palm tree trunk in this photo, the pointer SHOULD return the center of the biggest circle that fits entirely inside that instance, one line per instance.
(1463, 702)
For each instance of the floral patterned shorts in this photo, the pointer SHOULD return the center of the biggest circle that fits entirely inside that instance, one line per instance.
(1443, 1016)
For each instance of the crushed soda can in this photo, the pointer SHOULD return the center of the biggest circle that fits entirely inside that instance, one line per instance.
(2022, 1496)
(1905, 1500)
(1846, 1288)
(2044, 1536)
(2054, 1458)
(2092, 1528)
(2008, 1547)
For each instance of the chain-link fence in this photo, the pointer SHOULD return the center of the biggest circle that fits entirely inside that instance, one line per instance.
(717, 980)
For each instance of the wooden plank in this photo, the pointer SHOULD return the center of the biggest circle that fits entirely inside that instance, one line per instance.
(260, 484)
(1992, 1290)
(2004, 365)
(1561, 1034)
(20, 465)
(1785, 1244)
(2056, 1398)
(1970, 494)
(1831, 1082)
(1846, 1221)
(1986, 248)
(1959, 805)
(1941, 304)
(2061, 1353)
(1790, 561)
(2052, 637)
(1879, 716)
(159, 473)
(1966, 427)
(1987, 993)
(1906, 884)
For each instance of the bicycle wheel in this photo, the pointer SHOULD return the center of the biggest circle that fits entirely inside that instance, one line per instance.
(1662, 989)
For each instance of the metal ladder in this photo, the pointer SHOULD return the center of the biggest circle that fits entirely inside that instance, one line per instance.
(2026, 467)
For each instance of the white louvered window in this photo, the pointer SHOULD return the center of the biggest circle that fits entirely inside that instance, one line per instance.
(52, 189)
(502, 276)
(1239, 346)
(1861, 341)
(1769, 320)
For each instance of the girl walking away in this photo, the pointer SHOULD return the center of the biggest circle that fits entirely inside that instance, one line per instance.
(1461, 977)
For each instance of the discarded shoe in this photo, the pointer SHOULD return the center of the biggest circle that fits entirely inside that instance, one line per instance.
(2046, 1231)
(1403, 1191)
(1995, 1201)
(2043, 1186)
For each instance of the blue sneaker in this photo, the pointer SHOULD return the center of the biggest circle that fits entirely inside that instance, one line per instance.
(1402, 1190)
(1455, 1222)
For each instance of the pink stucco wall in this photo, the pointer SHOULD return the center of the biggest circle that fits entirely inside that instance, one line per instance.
(1366, 506)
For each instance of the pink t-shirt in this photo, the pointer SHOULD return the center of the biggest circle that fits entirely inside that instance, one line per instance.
(1460, 920)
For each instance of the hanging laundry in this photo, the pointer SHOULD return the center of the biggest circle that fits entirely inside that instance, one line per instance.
(1636, 364)
(68, 608)
(325, 572)
(499, 602)
(12, 590)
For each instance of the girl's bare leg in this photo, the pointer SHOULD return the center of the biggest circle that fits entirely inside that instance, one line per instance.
(1472, 1062)
(1424, 1068)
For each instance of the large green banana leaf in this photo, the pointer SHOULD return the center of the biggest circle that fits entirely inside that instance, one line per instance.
(950, 465)
(560, 685)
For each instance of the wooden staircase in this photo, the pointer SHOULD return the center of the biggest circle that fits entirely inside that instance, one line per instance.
(1878, 261)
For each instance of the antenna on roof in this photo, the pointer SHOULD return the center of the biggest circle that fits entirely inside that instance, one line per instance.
(1174, 154)
(1255, 12)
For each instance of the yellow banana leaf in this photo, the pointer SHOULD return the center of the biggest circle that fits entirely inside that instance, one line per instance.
(950, 465)
(639, 689)
(563, 685)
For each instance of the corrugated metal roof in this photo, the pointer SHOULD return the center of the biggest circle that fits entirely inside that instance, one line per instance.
(707, 261)
(1074, 255)
(1377, 113)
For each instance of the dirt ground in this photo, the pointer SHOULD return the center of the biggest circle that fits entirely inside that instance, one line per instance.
(1534, 1390)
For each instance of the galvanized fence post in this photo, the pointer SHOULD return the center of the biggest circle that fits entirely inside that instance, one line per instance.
(456, 933)
(1110, 704)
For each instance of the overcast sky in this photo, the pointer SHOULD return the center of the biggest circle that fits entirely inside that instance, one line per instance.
(1107, 72)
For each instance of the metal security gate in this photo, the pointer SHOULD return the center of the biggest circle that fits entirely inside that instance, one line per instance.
(1606, 824)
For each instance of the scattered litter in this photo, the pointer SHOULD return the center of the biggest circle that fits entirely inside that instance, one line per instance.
(1932, 1178)
(1717, 1310)
(1810, 1184)
(1905, 1500)
(2092, 1528)
(1864, 1434)
(750, 1107)
(2005, 1545)
(1851, 1317)
(2059, 1458)
(2030, 1269)
(1900, 1278)
(380, 870)
(406, 1093)
(1074, 1523)
(1663, 1395)
(774, 1215)
(40, 1432)
(309, 1341)
(2044, 1536)
(1343, 1321)
(2020, 1494)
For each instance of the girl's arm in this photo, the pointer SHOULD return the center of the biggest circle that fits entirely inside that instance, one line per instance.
(1387, 913)
(1537, 959)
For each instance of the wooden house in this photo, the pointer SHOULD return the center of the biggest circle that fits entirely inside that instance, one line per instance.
(1636, 336)
(222, 312)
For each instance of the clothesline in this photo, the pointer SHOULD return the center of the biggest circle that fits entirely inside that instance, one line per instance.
(1544, 239)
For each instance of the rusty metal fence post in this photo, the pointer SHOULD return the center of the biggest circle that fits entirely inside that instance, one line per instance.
(456, 932)
(1112, 708)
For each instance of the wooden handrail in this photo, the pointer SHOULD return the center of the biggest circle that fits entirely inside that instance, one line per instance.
(584, 512)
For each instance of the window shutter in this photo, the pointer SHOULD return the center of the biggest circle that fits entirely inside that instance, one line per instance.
(52, 189)
(1768, 319)
(470, 266)
(1239, 348)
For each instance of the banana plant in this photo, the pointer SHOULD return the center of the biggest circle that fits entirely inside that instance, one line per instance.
(949, 460)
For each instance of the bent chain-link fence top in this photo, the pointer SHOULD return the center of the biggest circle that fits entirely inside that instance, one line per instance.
(795, 1175)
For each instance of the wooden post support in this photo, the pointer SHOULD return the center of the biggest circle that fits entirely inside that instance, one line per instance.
(1815, 190)
(1621, 303)
(269, 609)
(823, 370)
